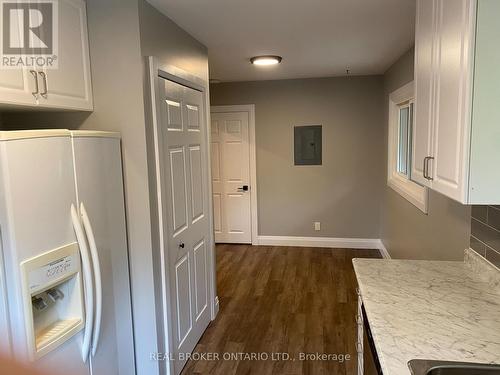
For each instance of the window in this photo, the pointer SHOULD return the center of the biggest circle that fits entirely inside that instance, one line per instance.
(405, 127)
(401, 115)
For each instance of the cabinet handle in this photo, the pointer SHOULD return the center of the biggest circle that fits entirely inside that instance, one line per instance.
(428, 160)
(426, 167)
(44, 76)
(37, 90)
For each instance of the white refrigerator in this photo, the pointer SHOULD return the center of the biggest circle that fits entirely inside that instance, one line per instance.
(65, 302)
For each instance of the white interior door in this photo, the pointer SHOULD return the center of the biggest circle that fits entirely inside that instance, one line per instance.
(231, 177)
(183, 138)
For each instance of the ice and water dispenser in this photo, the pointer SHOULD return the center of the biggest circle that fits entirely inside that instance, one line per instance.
(52, 292)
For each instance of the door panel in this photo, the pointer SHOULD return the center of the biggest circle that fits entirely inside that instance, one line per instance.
(193, 120)
(451, 92)
(230, 172)
(183, 139)
(179, 196)
(236, 223)
(200, 274)
(216, 161)
(424, 78)
(183, 291)
(174, 115)
(233, 162)
(233, 131)
(217, 213)
(196, 182)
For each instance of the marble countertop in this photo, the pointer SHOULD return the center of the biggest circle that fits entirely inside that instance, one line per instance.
(431, 310)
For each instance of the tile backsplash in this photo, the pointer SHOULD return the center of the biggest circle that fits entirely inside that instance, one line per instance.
(485, 232)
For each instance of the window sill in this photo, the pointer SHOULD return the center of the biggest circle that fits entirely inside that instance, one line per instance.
(411, 191)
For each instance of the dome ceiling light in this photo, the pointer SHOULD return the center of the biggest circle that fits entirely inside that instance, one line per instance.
(266, 60)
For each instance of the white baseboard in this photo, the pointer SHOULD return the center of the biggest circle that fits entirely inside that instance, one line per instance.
(333, 242)
(383, 251)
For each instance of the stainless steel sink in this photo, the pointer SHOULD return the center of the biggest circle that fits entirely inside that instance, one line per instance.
(424, 367)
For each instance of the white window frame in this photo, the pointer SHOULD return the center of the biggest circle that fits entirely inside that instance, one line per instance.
(408, 189)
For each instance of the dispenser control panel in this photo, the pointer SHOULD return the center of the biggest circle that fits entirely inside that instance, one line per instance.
(54, 270)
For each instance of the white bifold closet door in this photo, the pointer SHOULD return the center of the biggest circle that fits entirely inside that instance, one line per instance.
(185, 197)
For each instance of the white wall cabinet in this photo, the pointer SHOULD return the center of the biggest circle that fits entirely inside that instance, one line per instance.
(456, 137)
(67, 87)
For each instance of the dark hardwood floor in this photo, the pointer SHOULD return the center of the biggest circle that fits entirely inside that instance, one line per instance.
(281, 300)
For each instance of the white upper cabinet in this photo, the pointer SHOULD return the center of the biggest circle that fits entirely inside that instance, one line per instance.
(424, 48)
(68, 86)
(457, 80)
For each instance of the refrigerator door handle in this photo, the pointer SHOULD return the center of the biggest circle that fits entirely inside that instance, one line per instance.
(97, 274)
(87, 281)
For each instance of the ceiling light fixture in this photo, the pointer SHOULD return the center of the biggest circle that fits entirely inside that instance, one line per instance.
(266, 60)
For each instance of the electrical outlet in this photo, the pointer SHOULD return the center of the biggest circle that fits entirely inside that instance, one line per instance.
(317, 225)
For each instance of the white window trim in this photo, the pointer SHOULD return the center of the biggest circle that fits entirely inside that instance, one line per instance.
(410, 190)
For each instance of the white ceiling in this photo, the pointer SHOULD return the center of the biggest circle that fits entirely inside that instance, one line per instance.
(317, 38)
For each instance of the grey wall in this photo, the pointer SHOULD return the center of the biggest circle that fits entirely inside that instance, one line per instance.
(344, 193)
(162, 38)
(173, 48)
(120, 33)
(406, 231)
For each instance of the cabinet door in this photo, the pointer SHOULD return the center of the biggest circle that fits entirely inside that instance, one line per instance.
(17, 85)
(424, 79)
(453, 97)
(69, 86)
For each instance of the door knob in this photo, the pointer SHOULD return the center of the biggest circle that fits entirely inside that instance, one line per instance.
(243, 188)
(181, 245)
